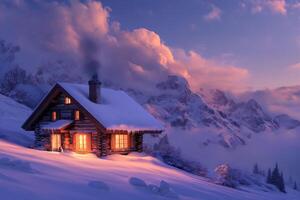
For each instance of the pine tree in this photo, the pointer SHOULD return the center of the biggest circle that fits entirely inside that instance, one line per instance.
(295, 186)
(269, 177)
(276, 178)
(281, 184)
(255, 169)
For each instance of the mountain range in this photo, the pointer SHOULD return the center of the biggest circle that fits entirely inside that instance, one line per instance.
(236, 121)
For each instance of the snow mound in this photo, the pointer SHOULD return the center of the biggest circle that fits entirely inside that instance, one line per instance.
(163, 189)
(137, 182)
(14, 164)
(99, 185)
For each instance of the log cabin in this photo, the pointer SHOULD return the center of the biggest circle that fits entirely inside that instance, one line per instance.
(90, 119)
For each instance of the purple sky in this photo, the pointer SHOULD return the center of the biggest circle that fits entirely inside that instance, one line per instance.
(260, 36)
(235, 45)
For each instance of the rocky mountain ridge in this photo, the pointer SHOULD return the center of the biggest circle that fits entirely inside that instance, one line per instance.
(178, 106)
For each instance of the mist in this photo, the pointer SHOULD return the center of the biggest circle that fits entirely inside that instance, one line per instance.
(264, 148)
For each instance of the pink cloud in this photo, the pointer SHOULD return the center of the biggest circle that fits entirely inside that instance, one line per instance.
(295, 66)
(137, 58)
(214, 14)
(276, 6)
(209, 73)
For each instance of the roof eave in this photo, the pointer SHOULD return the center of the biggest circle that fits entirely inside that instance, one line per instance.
(136, 131)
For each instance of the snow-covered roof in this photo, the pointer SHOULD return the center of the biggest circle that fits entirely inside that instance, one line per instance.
(56, 125)
(117, 110)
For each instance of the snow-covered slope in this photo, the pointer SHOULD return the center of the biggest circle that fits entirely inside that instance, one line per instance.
(12, 115)
(73, 176)
(38, 175)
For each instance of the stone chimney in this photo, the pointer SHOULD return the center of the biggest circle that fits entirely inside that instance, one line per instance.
(95, 89)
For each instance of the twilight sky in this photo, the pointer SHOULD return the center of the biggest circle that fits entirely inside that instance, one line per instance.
(232, 45)
(260, 36)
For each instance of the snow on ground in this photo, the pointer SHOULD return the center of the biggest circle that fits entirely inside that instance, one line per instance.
(12, 116)
(31, 174)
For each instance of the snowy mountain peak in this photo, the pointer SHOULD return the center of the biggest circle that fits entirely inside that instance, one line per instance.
(253, 105)
(217, 99)
(252, 116)
(175, 84)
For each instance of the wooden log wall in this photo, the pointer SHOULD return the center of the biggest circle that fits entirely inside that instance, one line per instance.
(104, 143)
(42, 139)
(67, 112)
(96, 144)
(139, 142)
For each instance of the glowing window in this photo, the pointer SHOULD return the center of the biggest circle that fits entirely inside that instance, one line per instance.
(77, 115)
(82, 142)
(55, 142)
(54, 116)
(67, 100)
(121, 141)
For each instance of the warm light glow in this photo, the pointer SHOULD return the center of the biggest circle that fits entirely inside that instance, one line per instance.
(55, 142)
(77, 115)
(121, 141)
(82, 142)
(67, 100)
(54, 116)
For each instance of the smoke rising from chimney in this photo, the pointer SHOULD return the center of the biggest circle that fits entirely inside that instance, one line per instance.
(90, 52)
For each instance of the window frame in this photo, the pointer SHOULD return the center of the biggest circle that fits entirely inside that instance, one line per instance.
(82, 143)
(56, 142)
(77, 115)
(54, 116)
(121, 142)
(67, 101)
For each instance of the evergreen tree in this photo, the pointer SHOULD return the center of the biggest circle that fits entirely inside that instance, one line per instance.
(255, 169)
(276, 178)
(269, 176)
(281, 185)
(295, 186)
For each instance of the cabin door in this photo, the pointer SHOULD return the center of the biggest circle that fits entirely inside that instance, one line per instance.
(82, 142)
(56, 142)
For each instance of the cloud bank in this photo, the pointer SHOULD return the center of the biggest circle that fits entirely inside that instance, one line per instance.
(81, 33)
